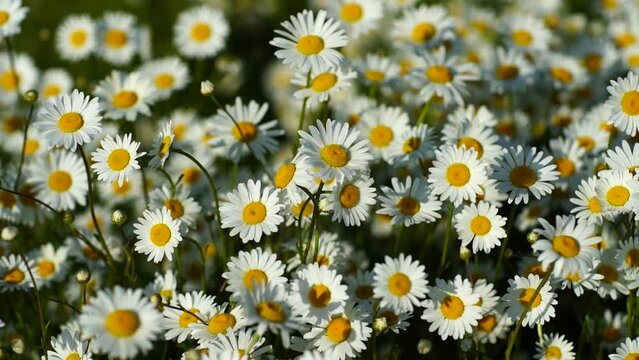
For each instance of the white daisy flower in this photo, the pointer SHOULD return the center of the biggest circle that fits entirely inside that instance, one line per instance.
(628, 349)
(180, 204)
(51, 263)
(291, 175)
(218, 321)
(15, 78)
(125, 95)
(509, 71)
(252, 268)
(587, 206)
(473, 134)
(351, 200)
(116, 158)
(381, 125)
(623, 157)
(122, 322)
(377, 70)
(623, 103)
(456, 174)
(360, 286)
(358, 16)
(69, 345)
(554, 347)
(425, 26)
(480, 224)
(15, 273)
(169, 74)
(76, 38)
(309, 41)
(163, 284)
(627, 258)
(158, 234)
(200, 32)
(317, 292)
(492, 327)
(613, 329)
(520, 295)
(162, 146)
(55, 82)
(564, 71)
(410, 203)
(119, 37)
(412, 146)
(452, 308)
(252, 211)
(613, 282)
(11, 15)
(322, 83)
(242, 341)
(400, 283)
(70, 120)
(527, 33)
(617, 191)
(488, 298)
(61, 182)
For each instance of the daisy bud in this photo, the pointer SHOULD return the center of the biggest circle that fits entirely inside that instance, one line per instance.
(464, 253)
(532, 237)
(380, 324)
(324, 205)
(9, 233)
(31, 96)
(466, 345)
(83, 276)
(424, 346)
(209, 215)
(206, 88)
(68, 218)
(210, 250)
(509, 253)
(192, 355)
(118, 217)
(17, 345)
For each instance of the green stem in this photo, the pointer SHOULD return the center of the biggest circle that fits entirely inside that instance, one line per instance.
(504, 246)
(449, 223)
(423, 113)
(372, 91)
(12, 62)
(315, 198)
(398, 239)
(24, 146)
(145, 193)
(36, 295)
(202, 257)
(300, 123)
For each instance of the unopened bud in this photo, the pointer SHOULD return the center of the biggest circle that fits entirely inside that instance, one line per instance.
(17, 345)
(157, 300)
(424, 346)
(209, 215)
(464, 253)
(31, 96)
(324, 205)
(68, 218)
(83, 276)
(9, 233)
(509, 253)
(380, 324)
(206, 88)
(532, 237)
(118, 217)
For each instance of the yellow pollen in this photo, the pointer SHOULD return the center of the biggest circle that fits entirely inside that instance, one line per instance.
(271, 311)
(480, 225)
(164, 81)
(284, 175)
(506, 72)
(201, 32)
(4, 17)
(423, 32)
(175, 208)
(323, 82)
(319, 295)
(630, 103)
(254, 276)
(50, 91)
(487, 323)
(561, 74)
(364, 292)
(594, 205)
(349, 196)
(617, 195)
(525, 298)
(220, 322)
(439, 74)
(60, 181)
(122, 323)
(458, 174)
(160, 234)
(471, 143)
(115, 38)
(78, 38)
(565, 167)
(70, 122)
(408, 206)
(632, 258)
(375, 76)
(553, 352)
(46, 268)
(381, 135)
(248, 133)
(335, 155)
(573, 277)
(452, 307)
(118, 159)
(522, 38)
(399, 284)
(124, 99)
(186, 319)
(310, 45)
(13, 276)
(9, 80)
(566, 246)
(523, 177)
(411, 145)
(338, 330)
(254, 213)
(351, 12)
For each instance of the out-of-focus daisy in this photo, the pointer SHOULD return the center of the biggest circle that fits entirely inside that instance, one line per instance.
(528, 33)
(61, 182)
(51, 263)
(351, 200)
(525, 171)
(381, 125)
(14, 79)
(412, 145)
(158, 234)
(125, 95)
(377, 70)
(252, 211)
(473, 135)
(628, 349)
(55, 82)
(162, 146)
(11, 15)
(617, 190)
(116, 158)
(251, 268)
(510, 72)
(76, 37)
(180, 204)
(118, 36)
(613, 282)
(628, 261)
(322, 83)
(400, 283)
(492, 327)
(243, 341)
(70, 120)
(425, 26)
(554, 347)
(309, 41)
(177, 322)
(122, 322)
(564, 71)
(15, 273)
(480, 224)
(410, 203)
(520, 295)
(317, 292)
(456, 174)
(200, 32)
(167, 74)
(624, 103)
(234, 139)
(357, 16)
(451, 308)
(613, 329)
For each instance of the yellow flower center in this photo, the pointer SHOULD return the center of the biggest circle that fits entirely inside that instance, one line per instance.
(165, 145)
(411, 145)
(487, 323)
(593, 62)
(594, 205)
(610, 334)
(7, 200)
(408, 206)
(122, 323)
(164, 81)
(625, 40)
(632, 258)
(186, 319)
(351, 12)
(574, 277)
(452, 307)
(323, 82)
(553, 352)
(78, 38)
(338, 330)
(632, 356)
(319, 295)
(175, 208)
(480, 225)
(525, 298)
(210, 250)
(73, 356)
(349, 196)
(586, 142)
(617, 195)
(60, 181)
(271, 311)
(121, 190)
(630, 103)
(297, 208)
(458, 174)
(51, 90)
(4, 17)
(561, 74)
(375, 75)
(46, 268)
(70, 122)
(523, 177)
(124, 99)
(364, 292)
(252, 276)
(118, 159)
(609, 273)
(391, 317)
(284, 175)
(11, 124)
(115, 38)
(335, 155)
(9, 80)
(439, 74)
(220, 322)
(381, 135)
(254, 213)
(566, 246)
(506, 72)
(13, 276)
(201, 32)
(310, 45)
(248, 133)
(160, 234)
(565, 167)
(522, 38)
(399, 284)
(423, 32)
(633, 60)
(471, 143)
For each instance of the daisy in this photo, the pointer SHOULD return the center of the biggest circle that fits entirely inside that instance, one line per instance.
(322, 83)
(527, 33)
(568, 245)
(381, 125)
(510, 71)
(554, 347)
(568, 157)
(623, 103)
(480, 224)
(200, 32)
(614, 329)
(451, 308)
(177, 322)
(116, 158)
(291, 175)
(342, 336)
(410, 203)
(358, 16)
(475, 135)
(360, 286)
(317, 292)
(158, 234)
(456, 174)
(11, 15)
(125, 95)
(564, 71)
(243, 341)
(400, 283)
(425, 26)
(61, 182)
(163, 284)
(76, 38)
(180, 204)
(626, 350)
(251, 268)
(169, 74)
(268, 307)
(617, 191)
(627, 258)
(587, 206)
(613, 282)
(218, 321)
(589, 133)
(119, 37)
(488, 298)
(411, 146)
(16, 78)
(525, 171)
(334, 150)
(623, 157)
(51, 263)
(309, 41)
(252, 211)
(329, 253)
(162, 146)
(492, 327)
(377, 70)
(16, 274)
(122, 322)
(69, 345)
(55, 82)
(520, 295)
(351, 200)
(235, 139)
